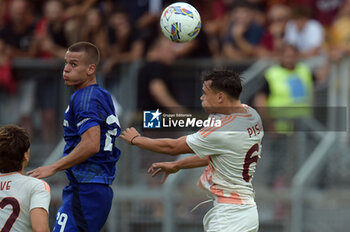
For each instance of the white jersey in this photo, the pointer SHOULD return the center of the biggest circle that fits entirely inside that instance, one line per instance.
(234, 149)
(20, 194)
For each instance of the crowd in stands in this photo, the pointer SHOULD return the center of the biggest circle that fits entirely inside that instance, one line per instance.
(126, 31)
(316, 32)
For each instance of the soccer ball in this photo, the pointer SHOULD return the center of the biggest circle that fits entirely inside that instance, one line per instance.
(180, 22)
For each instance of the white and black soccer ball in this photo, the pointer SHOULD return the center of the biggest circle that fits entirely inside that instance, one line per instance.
(180, 22)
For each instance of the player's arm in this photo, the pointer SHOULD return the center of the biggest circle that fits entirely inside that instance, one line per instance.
(88, 146)
(39, 220)
(175, 166)
(164, 146)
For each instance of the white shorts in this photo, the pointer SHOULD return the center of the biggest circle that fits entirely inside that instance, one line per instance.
(231, 218)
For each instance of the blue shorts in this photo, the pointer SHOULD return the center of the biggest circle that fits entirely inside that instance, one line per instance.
(85, 208)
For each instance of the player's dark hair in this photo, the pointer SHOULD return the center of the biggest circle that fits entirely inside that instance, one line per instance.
(226, 81)
(14, 142)
(93, 54)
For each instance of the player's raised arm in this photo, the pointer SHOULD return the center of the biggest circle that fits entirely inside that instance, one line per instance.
(165, 146)
(175, 166)
(88, 146)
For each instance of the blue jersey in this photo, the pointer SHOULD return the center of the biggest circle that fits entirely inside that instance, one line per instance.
(88, 107)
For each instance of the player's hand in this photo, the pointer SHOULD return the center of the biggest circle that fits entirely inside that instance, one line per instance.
(166, 167)
(42, 172)
(129, 134)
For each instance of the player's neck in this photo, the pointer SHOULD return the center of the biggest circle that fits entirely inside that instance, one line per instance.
(86, 84)
(228, 107)
(24, 164)
(235, 107)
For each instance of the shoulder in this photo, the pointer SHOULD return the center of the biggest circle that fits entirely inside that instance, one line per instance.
(252, 111)
(273, 69)
(86, 92)
(93, 94)
(302, 67)
(34, 183)
(102, 91)
(251, 121)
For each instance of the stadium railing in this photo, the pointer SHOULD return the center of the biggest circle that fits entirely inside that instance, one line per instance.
(331, 142)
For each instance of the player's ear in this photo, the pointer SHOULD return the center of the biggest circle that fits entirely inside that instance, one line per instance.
(91, 69)
(221, 97)
(26, 158)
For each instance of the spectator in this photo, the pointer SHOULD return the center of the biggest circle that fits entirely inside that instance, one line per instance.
(289, 83)
(106, 7)
(304, 33)
(3, 7)
(215, 17)
(325, 11)
(95, 31)
(339, 33)
(124, 42)
(50, 42)
(50, 38)
(143, 13)
(155, 88)
(74, 13)
(7, 81)
(18, 32)
(243, 34)
(272, 40)
(259, 8)
(286, 96)
(144, 17)
(17, 36)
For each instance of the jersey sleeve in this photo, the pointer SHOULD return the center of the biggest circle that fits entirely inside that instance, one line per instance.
(88, 113)
(40, 196)
(203, 146)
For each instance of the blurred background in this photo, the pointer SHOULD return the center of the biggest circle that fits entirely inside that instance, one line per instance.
(293, 57)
